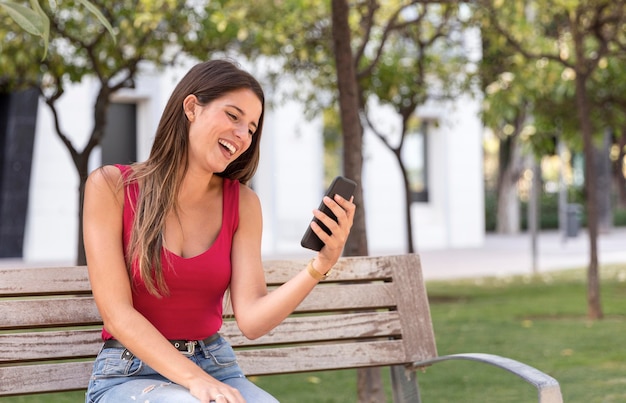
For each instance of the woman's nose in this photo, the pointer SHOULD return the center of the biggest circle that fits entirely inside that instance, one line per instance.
(241, 130)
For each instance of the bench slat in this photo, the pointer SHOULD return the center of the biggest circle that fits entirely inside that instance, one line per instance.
(44, 280)
(338, 297)
(82, 310)
(320, 357)
(75, 280)
(44, 378)
(414, 309)
(54, 345)
(355, 269)
(321, 328)
(34, 313)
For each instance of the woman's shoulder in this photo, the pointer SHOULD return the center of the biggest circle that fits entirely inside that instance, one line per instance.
(247, 196)
(250, 212)
(107, 174)
(108, 179)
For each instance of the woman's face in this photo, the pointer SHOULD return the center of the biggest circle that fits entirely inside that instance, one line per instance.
(222, 130)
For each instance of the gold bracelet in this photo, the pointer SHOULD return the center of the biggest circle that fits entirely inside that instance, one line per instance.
(314, 273)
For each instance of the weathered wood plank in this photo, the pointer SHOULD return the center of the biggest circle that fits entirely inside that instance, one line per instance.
(357, 268)
(54, 345)
(413, 307)
(349, 297)
(320, 357)
(35, 313)
(343, 297)
(44, 378)
(75, 280)
(44, 280)
(315, 329)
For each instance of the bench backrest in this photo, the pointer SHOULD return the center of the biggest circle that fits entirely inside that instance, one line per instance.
(371, 311)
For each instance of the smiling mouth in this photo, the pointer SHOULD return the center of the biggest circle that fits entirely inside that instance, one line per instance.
(228, 146)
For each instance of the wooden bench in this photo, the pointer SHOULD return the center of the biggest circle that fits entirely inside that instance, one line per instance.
(372, 311)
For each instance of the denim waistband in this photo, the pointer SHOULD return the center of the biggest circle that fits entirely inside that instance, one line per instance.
(187, 347)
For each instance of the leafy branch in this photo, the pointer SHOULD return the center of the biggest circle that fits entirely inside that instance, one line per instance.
(35, 21)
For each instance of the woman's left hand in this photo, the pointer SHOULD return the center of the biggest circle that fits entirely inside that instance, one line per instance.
(333, 244)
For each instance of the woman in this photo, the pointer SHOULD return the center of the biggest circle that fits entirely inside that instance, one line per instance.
(166, 237)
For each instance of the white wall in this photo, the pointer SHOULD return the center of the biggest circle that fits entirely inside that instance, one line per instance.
(290, 178)
(465, 185)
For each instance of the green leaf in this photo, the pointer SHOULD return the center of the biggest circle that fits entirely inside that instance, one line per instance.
(29, 20)
(94, 10)
(46, 25)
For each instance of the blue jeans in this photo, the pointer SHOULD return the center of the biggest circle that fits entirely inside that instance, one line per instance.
(117, 379)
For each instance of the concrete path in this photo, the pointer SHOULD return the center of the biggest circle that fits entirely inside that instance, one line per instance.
(504, 255)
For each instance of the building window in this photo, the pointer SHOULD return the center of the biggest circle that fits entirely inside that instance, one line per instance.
(415, 160)
(119, 144)
(18, 120)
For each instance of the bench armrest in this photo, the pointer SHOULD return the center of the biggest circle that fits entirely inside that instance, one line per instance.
(548, 388)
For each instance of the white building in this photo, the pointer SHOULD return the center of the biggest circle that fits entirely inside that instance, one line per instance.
(290, 179)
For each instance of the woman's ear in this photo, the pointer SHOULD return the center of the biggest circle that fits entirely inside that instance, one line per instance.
(189, 107)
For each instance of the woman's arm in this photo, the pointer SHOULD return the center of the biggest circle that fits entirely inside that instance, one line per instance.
(256, 310)
(103, 226)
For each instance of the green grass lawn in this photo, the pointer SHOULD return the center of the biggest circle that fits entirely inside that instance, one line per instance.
(539, 320)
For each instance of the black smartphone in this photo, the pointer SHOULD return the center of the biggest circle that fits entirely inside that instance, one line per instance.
(344, 187)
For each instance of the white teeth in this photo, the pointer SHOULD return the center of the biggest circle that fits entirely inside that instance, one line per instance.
(229, 146)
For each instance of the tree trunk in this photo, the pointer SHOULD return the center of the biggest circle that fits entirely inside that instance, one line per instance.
(410, 248)
(562, 190)
(407, 210)
(83, 172)
(603, 184)
(508, 208)
(618, 169)
(369, 381)
(510, 167)
(350, 122)
(534, 225)
(594, 307)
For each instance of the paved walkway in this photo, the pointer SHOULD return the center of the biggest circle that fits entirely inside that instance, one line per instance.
(504, 255)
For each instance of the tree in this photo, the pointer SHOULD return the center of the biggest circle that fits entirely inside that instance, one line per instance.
(349, 106)
(506, 108)
(611, 100)
(35, 21)
(368, 380)
(577, 36)
(423, 60)
(154, 31)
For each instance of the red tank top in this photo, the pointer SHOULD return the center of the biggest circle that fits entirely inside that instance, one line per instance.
(193, 308)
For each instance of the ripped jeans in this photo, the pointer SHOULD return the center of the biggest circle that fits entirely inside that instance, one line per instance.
(117, 379)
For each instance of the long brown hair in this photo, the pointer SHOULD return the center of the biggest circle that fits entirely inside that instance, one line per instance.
(161, 174)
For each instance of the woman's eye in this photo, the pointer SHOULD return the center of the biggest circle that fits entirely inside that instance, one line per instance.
(231, 115)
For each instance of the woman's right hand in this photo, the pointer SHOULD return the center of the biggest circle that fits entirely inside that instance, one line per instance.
(334, 242)
(209, 391)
